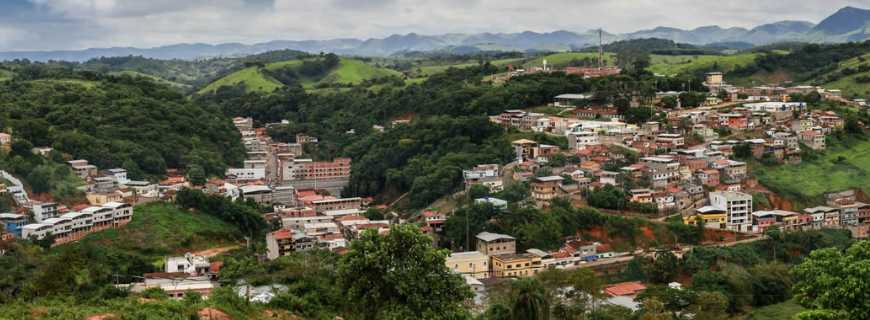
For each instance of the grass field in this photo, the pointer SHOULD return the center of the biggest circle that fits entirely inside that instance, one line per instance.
(252, 77)
(159, 229)
(785, 310)
(84, 83)
(152, 77)
(349, 71)
(426, 71)
(562, 59)
(840, 168)
(848, 84)
(672, 65)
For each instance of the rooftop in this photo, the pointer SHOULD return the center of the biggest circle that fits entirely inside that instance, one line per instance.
(488, 236)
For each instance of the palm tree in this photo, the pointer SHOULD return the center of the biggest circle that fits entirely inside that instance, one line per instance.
(530, 301)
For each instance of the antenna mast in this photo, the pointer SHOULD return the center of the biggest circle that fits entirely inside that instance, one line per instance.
(600, 49)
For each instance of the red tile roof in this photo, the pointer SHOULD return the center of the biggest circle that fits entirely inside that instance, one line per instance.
(625, 289)
(282, 234)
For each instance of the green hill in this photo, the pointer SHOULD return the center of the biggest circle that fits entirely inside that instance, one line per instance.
(849, 82)
(152, 77)
(159, 229)
(839, 168)
(679, 64)
(348, 72)
(252, 77)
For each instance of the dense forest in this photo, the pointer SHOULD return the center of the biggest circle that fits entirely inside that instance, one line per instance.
(128, 122)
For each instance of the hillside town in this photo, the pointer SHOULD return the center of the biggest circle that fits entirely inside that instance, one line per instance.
(690, 164)
(489, 171)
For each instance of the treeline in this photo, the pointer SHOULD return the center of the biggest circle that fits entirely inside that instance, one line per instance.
(310, 68)
(807, 63)
(745, 276)
(127, 122)
(547, 229)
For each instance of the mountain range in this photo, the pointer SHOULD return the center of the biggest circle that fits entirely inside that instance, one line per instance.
(847, 24)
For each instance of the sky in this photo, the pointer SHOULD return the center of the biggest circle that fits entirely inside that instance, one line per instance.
(80, 24)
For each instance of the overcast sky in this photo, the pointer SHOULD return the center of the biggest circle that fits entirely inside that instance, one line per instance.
(78, 24)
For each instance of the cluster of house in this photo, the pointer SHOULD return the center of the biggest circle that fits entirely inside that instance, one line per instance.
(320, 222)
(497, 257)
(62, 224)
(715, 81)
(601, 70)
(681, 158)
(732, 210)
(272, 170)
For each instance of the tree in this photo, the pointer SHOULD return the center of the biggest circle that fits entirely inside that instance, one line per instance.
(664, 268)
(710, 306)
(836, 280)
(771, 283)
(400, 275)
(196, 174)
(529, 301)
(652, 309)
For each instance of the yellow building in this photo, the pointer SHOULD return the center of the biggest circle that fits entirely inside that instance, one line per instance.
(712, 220)
(472, 263)
(515, 265)
(99, 199)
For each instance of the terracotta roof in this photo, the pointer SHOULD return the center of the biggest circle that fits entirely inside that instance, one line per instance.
(625, 289)
(282, 234)
(350, 217)
(216, 266)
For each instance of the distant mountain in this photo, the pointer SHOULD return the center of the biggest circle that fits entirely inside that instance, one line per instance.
(777, 32)
(847, 24)
(846, 20)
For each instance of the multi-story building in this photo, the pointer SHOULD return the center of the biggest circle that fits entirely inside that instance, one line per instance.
(261, 194)
(44, 210)
(493, 243)
(82, 169)
(473, 263)
(813, 139)
(515, 265)
(545, 189)
(581, 139)
(284, 195)
(662, 170)
(298, 223)
(307, 169)
(283, 242)
(786, 220)
(337, 204)
(670, 141)
(488, 175)
(737, 207)
(12, 223)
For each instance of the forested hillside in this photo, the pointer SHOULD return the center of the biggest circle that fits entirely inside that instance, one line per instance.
(129, 122)
(426, 156)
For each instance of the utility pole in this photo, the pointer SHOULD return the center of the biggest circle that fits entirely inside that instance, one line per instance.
(467, 233)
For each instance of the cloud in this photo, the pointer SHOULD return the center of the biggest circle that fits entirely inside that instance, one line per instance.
(76, 24)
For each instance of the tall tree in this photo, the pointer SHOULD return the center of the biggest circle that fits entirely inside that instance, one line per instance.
(530, 301)
(831, 279)
(401, 276)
